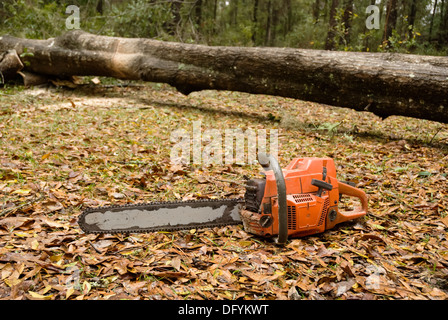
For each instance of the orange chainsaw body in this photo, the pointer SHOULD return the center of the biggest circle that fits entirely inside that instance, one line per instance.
(312, 198)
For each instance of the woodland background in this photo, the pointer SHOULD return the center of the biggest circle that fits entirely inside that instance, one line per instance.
(409, 26)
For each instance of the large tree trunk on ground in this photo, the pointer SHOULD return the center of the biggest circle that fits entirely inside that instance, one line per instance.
(385, 84)
(10, 64)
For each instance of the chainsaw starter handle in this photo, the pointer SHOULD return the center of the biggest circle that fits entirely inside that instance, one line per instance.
(268, 162)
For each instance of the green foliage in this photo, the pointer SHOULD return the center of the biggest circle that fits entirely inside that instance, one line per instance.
(41, 20)
(281, 23)
(25, 54)
(403, 44)
(139, 19)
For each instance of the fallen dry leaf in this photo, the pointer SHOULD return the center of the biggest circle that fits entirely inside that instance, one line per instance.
(445, 221)
(113, 147)
(36, 296)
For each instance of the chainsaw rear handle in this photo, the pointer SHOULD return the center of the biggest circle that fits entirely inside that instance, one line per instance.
(268, 162)
(346, 189)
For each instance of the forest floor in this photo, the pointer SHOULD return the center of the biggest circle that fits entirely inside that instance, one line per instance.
(62, 150)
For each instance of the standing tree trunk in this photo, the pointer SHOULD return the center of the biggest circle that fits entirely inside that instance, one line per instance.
(99, 7)
(391, 21)
(444, 26)
(172, 25)
(330, 43)
(287, 6)
(234, 12)
(432, 20)
(267, 38)
(198, 12)
(255, 22)
(441, 30)
(412, 16)
(316, 10)
(383, 83)
(215, 16)
(274, 24)
(347, 19)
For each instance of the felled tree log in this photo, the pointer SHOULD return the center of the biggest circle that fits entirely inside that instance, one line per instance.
(10, 64)
(382, 83)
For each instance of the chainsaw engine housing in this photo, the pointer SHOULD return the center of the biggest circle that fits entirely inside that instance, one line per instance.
(312, 198)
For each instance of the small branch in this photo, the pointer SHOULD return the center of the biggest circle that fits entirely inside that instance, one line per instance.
(235, 182)
(26, 204)
(95, 248)
(440, 129)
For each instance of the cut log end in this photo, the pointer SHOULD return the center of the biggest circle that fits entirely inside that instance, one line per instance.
(10, 64)
(31, 79)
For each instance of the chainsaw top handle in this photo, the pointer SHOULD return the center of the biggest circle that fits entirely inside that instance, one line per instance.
(268, 162)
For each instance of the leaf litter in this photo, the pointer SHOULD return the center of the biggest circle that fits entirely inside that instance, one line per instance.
(62, 151)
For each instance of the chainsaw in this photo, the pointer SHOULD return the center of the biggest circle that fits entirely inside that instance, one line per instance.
(301, 199)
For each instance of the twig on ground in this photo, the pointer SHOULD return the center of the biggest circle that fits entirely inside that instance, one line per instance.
(23, 205)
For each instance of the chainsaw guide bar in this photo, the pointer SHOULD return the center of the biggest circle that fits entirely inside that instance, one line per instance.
(161, 216)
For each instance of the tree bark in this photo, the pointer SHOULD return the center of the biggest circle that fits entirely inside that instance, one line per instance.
(330, 43)
(444, 26)
(234, 12)
(10, 64)
(267, 38)
(172, 25)
(412, 16)
(347, 19)
(391, 20)
(287, 6)
(432, 20)
(99, 7)
(383, 83)
(255, 21)
(198, 12)
(316, 10)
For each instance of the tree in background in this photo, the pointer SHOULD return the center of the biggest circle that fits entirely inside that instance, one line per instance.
(417, 26)
(391, 21)
(443, 25)
(330, 43)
